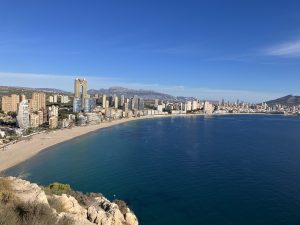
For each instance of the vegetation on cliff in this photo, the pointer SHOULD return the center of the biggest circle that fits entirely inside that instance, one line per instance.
(24, 203)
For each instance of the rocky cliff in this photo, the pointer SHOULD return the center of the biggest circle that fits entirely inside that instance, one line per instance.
(22, 202)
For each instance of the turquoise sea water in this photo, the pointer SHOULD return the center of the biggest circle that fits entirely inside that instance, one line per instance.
(222, 170)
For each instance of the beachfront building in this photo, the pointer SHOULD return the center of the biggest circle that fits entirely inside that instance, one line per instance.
(208, 107)
(10, 103)
(34, 120)
(134, 103)
(23, 115)
(53, 122)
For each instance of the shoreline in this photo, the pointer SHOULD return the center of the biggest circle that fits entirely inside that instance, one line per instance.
(23, 150)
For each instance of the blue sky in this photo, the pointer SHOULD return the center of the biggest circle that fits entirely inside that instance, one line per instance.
(247, 50)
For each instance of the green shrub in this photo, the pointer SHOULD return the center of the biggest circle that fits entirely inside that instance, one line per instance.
(58, 188)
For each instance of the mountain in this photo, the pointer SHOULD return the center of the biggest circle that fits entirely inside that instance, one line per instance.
(4, 90)
(146, 94)
(288, 100)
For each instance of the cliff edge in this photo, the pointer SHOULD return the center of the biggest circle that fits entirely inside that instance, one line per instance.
(22, 202)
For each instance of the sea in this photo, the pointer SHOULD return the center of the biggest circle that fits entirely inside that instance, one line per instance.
(191, 170)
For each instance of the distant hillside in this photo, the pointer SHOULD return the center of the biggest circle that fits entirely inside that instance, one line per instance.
(4, 90)
(146, 94)
(288, 100)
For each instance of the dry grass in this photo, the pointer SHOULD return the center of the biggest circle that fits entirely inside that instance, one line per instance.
(6, 194)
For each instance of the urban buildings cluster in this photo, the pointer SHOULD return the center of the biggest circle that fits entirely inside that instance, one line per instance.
(51, 111)
(30, 113)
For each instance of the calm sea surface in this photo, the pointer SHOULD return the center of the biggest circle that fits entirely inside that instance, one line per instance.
(221, 170)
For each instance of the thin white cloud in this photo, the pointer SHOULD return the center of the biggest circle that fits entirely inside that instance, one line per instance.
(65, 82)
(286, 49)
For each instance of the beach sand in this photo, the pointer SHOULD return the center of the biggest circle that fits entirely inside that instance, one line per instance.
(23, 150)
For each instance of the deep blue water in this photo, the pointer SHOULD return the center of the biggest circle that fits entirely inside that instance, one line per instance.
(222, 170)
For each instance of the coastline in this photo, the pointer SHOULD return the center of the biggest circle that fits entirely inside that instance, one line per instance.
(23, 150)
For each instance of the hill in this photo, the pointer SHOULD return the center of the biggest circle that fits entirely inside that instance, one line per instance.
(288, 100)
(146, 94)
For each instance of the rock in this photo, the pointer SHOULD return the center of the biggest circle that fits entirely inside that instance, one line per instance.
(27, 192)
(99, 211)
(77, 220)
(130, 218)
(104, 212)
(70, 205)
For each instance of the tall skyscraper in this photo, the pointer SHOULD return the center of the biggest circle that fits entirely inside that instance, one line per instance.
(104, 101)
(10, 103)
(81, 98)
(23, 115)
(122, 100)
(116, 102)
(134, 102)
(80, 88)
(141, 104)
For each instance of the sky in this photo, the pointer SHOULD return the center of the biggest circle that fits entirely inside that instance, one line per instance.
(232, 49)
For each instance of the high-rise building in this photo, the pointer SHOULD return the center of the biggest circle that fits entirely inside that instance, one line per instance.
(53, 111)
(134, 103)
(89, 104)
(38, 101)
(23, 115)
(53, 122)
(41, 117)
(104, 102)
(10, 103)
(141, 104)
(80, 88)
(208, 108)
(55, 98)
(34, 120)
(156, 102)
(64, 98)
(188, 106)
(116, 102)
(51, 99)
(195, 105)
(80, 95)
(122, 100)
(76, 105)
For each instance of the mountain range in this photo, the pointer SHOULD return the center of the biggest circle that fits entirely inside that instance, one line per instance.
(289, 100)
(146, 94)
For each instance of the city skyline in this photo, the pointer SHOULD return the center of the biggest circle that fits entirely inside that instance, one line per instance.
(209, 50)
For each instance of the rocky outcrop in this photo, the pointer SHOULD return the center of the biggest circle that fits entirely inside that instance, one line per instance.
(26, 191)
(97, 210)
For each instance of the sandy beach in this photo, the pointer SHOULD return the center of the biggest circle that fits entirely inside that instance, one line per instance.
(23, 150)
